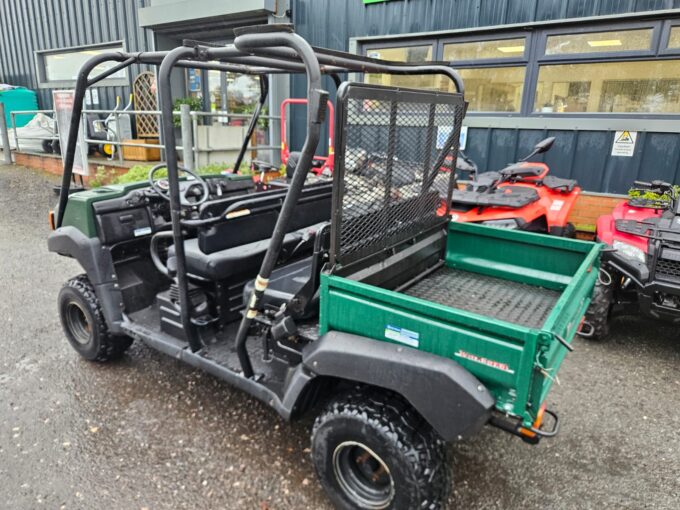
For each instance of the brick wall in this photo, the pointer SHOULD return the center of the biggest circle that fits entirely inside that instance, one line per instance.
(590, 207)
(52, 164)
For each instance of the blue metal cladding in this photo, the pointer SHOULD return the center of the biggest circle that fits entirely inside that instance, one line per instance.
(30, 25)
(582, 155)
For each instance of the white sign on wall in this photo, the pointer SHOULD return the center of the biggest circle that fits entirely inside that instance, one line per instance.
(624, 143)
(63, 107)
(443, 133)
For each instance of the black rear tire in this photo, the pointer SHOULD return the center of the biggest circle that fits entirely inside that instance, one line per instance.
(372, 450)
(569, 231)
(599, 312)
(84, 324)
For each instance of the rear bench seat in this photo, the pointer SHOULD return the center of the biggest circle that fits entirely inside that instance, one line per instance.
(238, 245)
(224, 264)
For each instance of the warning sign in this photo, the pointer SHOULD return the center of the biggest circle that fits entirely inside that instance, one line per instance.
(624, 143)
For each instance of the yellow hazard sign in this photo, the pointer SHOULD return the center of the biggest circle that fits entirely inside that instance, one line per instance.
(624, 143)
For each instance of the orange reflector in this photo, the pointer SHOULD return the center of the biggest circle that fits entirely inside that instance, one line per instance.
(537, 423)
(50, 219)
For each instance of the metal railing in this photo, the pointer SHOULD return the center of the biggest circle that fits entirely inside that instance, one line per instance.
(189, 124)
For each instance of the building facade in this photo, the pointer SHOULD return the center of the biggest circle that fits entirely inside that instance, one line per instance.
(600, 75)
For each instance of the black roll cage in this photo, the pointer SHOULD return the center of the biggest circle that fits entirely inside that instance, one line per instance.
(259, 50)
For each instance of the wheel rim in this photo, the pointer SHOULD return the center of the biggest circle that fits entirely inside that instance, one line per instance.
(363, 475)
(77, 323)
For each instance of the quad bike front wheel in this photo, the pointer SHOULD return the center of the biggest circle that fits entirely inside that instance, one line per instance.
(84, 325)
(372, 450)
(596, 324)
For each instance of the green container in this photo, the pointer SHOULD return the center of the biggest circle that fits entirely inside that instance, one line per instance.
(19, 99)
(517, 362)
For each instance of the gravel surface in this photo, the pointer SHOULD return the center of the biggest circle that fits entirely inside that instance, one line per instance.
(148, 432)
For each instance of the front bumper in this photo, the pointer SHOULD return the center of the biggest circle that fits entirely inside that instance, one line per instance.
(657, 295)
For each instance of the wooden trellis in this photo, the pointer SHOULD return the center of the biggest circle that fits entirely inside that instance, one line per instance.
(144, 89)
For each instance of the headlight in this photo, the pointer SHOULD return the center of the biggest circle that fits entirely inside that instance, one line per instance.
(501, 223)
(630, 252)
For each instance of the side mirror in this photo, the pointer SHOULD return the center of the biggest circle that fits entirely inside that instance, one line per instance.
(540, 147)
(544, 145)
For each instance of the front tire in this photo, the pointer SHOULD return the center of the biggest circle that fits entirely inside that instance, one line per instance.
(84, 324)
(372, 450)
(599, 312)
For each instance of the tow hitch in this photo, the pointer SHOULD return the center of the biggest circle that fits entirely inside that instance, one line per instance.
(531, 435)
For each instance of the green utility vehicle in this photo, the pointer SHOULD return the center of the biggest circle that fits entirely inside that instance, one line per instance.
(352, 298)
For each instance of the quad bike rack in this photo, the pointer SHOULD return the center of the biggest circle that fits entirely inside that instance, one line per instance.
(260, 51)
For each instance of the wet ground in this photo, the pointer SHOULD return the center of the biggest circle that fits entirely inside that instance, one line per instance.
(147, 432)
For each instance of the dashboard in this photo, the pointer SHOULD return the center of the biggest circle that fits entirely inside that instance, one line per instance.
(142, 211)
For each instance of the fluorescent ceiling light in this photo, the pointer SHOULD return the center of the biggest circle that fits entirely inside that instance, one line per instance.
(511, 49)
(607, 42)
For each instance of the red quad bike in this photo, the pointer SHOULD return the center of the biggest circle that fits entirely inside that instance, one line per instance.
(265, 174)
(640, 272)
(520, 196)
(321, 165)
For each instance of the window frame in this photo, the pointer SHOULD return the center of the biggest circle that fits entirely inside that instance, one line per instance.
(534, 57)
(666, 38)
(599, 55)
(482, 62)
(391, 44)
(41, 69)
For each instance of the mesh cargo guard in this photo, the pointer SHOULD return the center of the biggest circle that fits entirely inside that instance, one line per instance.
(389, 176)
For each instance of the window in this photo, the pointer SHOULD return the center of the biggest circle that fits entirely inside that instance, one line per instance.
(421, 53)
(674, 40)
(478, 50)
(599, 42)
(611, 87)
(493, 89)
(233, 93)
(628, 68)
(60, 68)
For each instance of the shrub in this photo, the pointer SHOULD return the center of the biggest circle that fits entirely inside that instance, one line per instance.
(140, 173)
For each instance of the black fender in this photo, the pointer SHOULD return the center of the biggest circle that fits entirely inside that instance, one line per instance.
(96, 260)
(446, 395)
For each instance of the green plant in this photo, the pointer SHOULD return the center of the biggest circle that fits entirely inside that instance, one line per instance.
(101, 177)
(650, 195)
(140, 173)
(195, 104)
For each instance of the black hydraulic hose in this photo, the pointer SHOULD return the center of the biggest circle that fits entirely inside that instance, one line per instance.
(264, 91)
(317, 99)
(69, 155)
(168, 130)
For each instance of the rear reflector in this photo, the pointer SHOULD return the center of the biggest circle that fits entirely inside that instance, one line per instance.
(50, 219)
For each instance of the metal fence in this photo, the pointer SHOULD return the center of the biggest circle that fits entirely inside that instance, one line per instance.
(189, 126)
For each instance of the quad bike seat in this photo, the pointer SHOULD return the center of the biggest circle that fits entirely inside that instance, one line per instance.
(559, 184)
(512, 197)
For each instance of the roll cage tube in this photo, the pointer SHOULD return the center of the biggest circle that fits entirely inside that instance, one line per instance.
(264, 90)
(168, 130)
(81, 85)
(125, 60)
(257, 51)
(317, 98)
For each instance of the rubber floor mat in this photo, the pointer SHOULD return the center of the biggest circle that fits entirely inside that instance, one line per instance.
(518, 303)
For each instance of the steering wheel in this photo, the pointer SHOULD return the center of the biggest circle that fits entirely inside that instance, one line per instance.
(162, 186)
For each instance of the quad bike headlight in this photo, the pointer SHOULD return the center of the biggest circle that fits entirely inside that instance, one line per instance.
(630, 252)
(509, 223)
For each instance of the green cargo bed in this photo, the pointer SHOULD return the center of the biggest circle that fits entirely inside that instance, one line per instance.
(495, 302)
